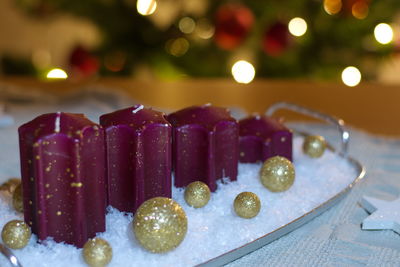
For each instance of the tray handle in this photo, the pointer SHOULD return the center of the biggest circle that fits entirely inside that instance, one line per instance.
(339, 123)
(10, 256)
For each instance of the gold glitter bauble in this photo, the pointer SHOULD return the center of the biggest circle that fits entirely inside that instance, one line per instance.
(17, 199)
(160, 224)
(16, 234)
(97, 252)
(314, 146)
(277, 174)
(197, 194)
(247, 205)
(10, 185)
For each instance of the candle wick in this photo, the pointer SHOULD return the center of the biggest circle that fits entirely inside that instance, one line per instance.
(138, 109)
(57, 125)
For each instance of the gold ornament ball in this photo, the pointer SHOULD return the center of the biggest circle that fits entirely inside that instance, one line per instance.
(160, 224)
(10, 185)
(314, 146)
(247, 205)
(97, 252)
(17, 199)
(197, 194)
(277, 174)
(16, 234)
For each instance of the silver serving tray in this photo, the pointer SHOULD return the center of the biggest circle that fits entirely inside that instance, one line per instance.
(271, 236)
(278, 233)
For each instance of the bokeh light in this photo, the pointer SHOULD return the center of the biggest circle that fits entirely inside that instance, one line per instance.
(146, 7)
(332, 7)
(243, 71)
(297, 26)
(205, 29)
(360, 9)
(351, 76)
(177, 47)
(187, 25)
(56, 74)
(383, 33)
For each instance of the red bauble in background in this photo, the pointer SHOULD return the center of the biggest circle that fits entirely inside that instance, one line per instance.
(276, 39)
(233, 23)
(82, 62)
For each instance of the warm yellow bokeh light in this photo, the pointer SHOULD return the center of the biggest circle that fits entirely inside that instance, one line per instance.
(56, 74)
(383, 33)
(297, 26)
(351, 76)
(332, 6)
(243, 71)
(204, 29)
(187, 25)
(146, 7)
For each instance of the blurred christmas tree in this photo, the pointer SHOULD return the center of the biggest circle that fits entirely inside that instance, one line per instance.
(204, 38)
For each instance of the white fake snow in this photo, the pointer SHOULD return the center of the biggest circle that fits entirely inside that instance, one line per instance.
(212, 230)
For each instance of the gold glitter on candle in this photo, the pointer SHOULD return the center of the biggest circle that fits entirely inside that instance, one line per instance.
(76, 184)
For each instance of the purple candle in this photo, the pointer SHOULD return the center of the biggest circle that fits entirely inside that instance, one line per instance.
(205, 145)
(262, 137)
(63, 177)
(138, 142)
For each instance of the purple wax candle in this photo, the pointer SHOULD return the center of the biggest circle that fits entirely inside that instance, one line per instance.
(138, 142)
(262, 137)
(63, 177)
(205, 145)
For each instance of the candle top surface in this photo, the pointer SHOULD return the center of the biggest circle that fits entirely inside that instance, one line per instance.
(136, 117)
(70, 124)
(207, 116)
(260, 125)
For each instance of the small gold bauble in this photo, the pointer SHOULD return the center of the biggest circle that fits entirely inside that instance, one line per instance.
(10, 185)
(16, 234)
(277, 174)
(314, 146)
(160, 224)
(247, 205)
(197, 194)
(17, 199)
(97, 252)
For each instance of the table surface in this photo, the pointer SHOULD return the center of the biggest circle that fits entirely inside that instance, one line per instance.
(369, 106)
(333, 239)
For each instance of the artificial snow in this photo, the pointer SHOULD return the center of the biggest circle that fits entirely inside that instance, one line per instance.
(212, 230)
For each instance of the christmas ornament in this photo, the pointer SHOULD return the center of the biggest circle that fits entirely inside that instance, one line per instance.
(160, 224)
(277, 174)
(247, 205)
(82, 62)
(16, 234)
(384, 214)
(233, 23)
(276, 39)
(97, 252)
(314, 146)
(197, 194)
(17, 199)
(10, 185)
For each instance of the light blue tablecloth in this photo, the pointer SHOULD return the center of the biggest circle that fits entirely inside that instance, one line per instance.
(333, 239)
